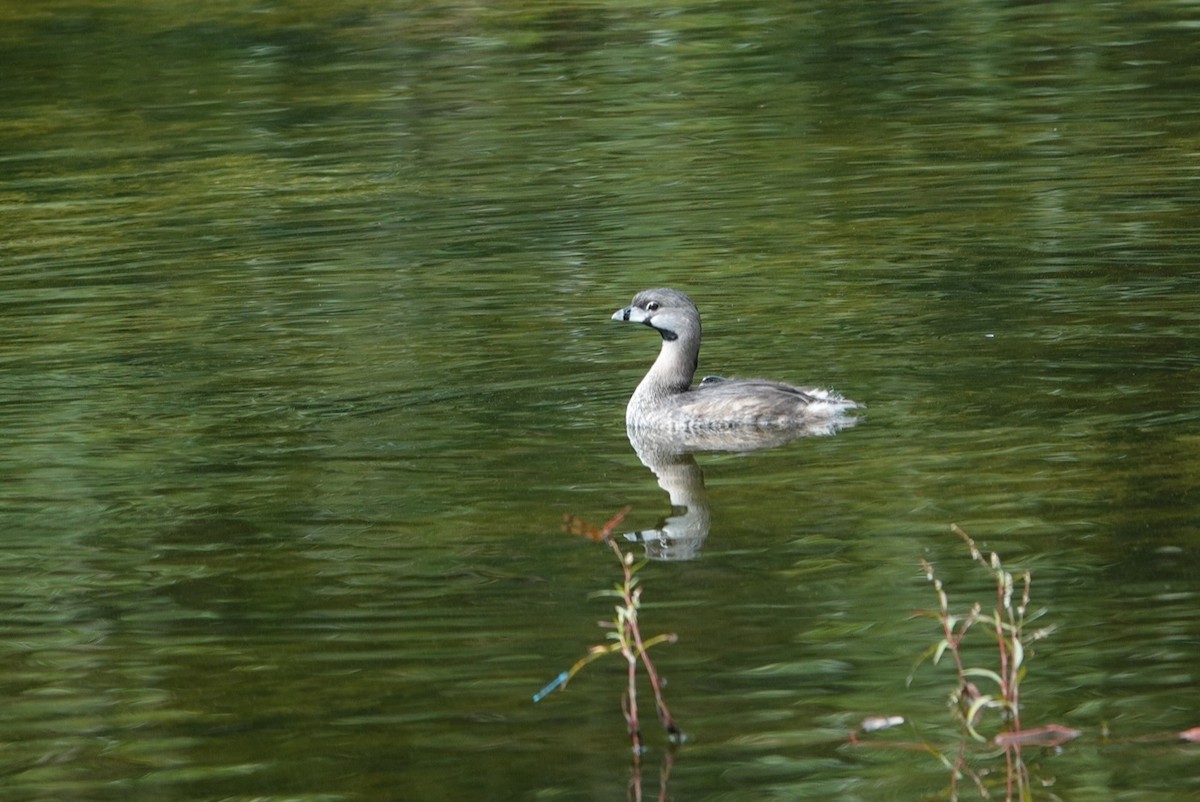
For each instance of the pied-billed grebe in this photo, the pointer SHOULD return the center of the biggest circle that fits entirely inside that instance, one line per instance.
(666, 399)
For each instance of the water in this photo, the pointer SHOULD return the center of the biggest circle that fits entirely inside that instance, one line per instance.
(307, 352)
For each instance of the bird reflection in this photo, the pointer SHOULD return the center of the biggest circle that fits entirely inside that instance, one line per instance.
(670, 457)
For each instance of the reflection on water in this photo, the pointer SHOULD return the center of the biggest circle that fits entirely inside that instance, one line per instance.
(303, 359)
(680, 535)
(669, 456)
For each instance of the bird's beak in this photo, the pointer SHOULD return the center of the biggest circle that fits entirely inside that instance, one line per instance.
(631, 314)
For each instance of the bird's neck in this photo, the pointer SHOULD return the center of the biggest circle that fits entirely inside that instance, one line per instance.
(672, 372)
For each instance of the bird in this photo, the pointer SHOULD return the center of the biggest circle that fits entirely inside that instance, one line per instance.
(666, 400)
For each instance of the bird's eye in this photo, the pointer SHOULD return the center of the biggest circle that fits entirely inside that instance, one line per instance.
(652, 306)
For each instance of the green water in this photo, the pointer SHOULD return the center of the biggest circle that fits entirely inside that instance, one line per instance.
(306, 351)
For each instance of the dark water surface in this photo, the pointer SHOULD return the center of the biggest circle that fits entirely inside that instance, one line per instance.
(306, 352)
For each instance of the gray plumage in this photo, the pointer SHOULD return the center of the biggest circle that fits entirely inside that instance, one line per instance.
(666, 399)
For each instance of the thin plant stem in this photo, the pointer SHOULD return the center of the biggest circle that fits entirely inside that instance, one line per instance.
(626, 637)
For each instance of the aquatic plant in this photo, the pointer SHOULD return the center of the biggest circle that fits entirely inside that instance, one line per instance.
(1006, 625)
(994, 704)
(624, 634)
(1006, 621)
